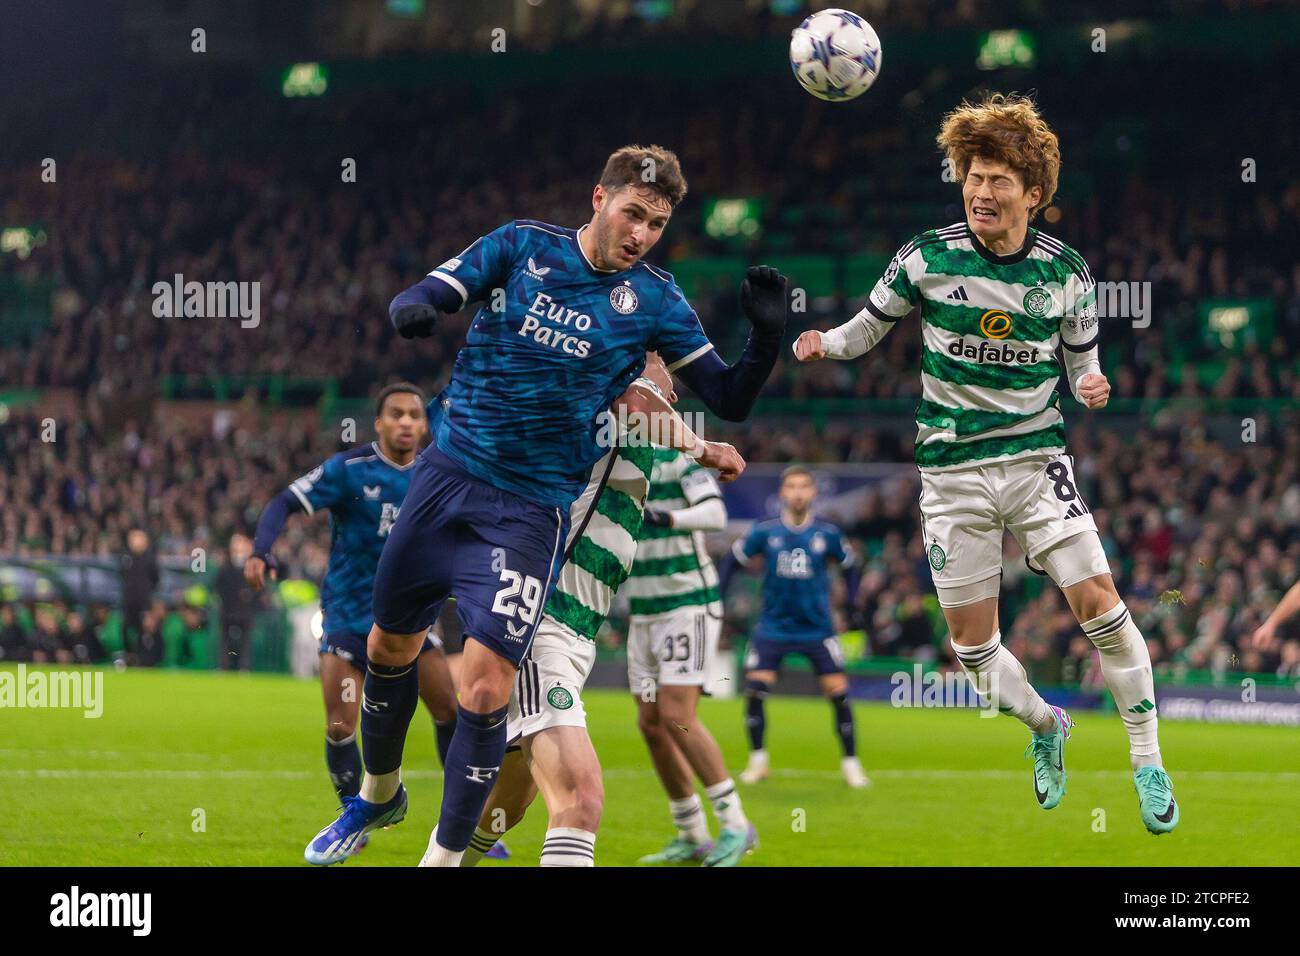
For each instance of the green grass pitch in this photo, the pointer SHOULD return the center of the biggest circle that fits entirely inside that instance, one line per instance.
(242, 754)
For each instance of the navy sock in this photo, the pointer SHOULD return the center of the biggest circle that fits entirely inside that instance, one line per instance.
(755, 719)
(388, 699)
(344, 762)
(444, 733)
(473, 762)
(844, 725)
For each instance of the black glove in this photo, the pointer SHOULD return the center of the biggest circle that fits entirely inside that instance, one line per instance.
(416, 320)
(657, 519)
(762, 299)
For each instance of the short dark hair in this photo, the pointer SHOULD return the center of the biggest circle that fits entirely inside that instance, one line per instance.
(798, 470)
(652, 166)
(396, 388)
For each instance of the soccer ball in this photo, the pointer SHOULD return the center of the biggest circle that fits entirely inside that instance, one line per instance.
(835, 55)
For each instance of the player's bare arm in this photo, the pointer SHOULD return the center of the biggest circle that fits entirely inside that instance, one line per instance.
(1266, 634)
(667, 426)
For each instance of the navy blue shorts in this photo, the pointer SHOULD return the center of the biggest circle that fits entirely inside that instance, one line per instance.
(824, 655)
(351, 646)
(498, 554)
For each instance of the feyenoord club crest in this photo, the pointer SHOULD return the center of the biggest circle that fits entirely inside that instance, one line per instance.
(623, 299)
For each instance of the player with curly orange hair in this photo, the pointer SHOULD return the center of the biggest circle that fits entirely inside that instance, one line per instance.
(997, 299)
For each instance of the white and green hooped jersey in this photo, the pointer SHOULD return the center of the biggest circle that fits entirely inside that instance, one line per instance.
(672, 569)
(605, 521)
(990, 327)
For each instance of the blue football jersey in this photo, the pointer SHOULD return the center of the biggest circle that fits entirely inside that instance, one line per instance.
(796, 582)
(363, 491)
(555, 342)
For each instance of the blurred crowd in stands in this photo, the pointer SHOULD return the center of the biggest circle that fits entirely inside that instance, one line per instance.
(1203, 536)
(237, 186)
(433, 172)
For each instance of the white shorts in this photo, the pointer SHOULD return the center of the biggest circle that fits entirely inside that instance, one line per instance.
(965, 512)
(674, 649)
(548, 689)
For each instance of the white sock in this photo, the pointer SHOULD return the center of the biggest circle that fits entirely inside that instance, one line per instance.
(439, 855)
(726, 805)
(569, 846)
(758, 758)
(688, 817)
(1126, 665)
(479, 844)
(380, 787)
(998, 675)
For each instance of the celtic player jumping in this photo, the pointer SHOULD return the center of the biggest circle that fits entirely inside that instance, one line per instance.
(996, 297)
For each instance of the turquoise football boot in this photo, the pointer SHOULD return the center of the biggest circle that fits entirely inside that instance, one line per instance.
(1156, 799)
(1048, 751)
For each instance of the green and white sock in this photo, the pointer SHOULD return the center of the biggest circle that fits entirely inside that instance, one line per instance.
(479, 844)
(569, 846)
(998, 675)
(688, 818)
(726, 805)
(1126, 666)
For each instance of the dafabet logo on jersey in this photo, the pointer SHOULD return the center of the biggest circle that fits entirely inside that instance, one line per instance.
(995, 324)
(986, 353)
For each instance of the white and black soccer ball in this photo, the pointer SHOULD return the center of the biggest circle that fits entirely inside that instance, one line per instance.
(835, 55)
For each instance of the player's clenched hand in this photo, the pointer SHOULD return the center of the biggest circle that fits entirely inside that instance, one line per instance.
(255, 570)
(415, 321)
(1094, 390)
(1263, 637)
(762, 299)
(723, 457)
(808, 347)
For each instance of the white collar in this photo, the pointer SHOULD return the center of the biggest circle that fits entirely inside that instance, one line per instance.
(798, 528)
(388, 461)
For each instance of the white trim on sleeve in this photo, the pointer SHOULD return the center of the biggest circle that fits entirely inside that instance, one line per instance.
(454, 283)
(306, 505)
(690, 358)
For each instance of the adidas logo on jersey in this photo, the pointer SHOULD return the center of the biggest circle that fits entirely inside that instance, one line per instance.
(537, 272)
(980, 350)
(959, 294)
